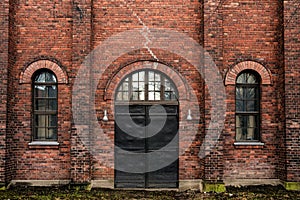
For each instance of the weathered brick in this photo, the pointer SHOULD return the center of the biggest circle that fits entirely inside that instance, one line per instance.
(238, 35)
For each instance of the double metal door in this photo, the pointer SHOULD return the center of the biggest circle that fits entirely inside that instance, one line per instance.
(146, 146)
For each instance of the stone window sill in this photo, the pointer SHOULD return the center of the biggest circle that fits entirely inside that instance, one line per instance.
(43, 145)
(249, 144)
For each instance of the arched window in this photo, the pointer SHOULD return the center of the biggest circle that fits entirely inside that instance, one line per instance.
(44, 106)
(146, 85)
(247, 103)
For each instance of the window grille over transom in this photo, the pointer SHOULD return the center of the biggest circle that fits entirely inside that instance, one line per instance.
(146, 85)
(44, 106)
(247, 107)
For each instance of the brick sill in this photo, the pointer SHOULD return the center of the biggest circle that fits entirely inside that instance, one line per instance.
(249, 144)
(43, 145)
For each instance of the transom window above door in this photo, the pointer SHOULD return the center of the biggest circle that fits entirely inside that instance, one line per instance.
(146, 85)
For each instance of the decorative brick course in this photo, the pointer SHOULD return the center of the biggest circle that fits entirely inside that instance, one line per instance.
(26, 76)
(233, 72)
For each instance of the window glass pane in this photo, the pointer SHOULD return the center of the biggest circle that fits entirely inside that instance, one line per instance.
(239, 93)
(125, 96)
(168, 96)
(142, 95)
(250, 93)
(50, 77)
(173, 96)
(135, 86)
(40, 78)
(240, 121)
(52, 133)
(135, 96)
(41, 121)
(241, 134)
(157, 86)
(119, 96)
(252, 106)
(239, 105)
(142, 76)
(52, 120)
(151, 96)
(52, 91)
(40, 133)
(157, 96)
(250, 133)
(135, 77)
(251, 79)
(45, 77)
(41, 104)
(247, 78)
(167, 85)
(246, 127)
(256, 134)
(157, 77)
(45, 91)
(251, 121)
(151, 76)
(141, 86)
(125, 86)
(151, 86)
(238, 134)
(40, 91)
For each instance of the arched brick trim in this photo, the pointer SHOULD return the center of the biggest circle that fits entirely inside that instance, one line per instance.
(25, 76)
(264, 73)
(173, 75)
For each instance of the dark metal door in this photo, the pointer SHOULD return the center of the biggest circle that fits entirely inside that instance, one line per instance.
(125, 144)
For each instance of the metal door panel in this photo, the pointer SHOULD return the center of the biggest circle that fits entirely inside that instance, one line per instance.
(166, 177)
(166, 134)
(124, 137)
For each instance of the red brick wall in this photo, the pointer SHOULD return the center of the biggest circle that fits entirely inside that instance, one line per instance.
(65, 32)
(292, 82)
(4, 24)
(212, 23)
(38, 30)
(81, 47)
(252, 31)
(112, 17)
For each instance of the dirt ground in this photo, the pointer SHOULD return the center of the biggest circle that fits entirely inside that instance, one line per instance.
(262, 192)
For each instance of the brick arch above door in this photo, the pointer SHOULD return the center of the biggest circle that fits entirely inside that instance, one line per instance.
(179, 81)
(26, 75)
(233, 72)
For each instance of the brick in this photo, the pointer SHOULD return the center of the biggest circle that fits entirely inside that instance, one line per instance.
(59, 35)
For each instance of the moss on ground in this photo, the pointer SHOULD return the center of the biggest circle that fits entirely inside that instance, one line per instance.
(73, 193)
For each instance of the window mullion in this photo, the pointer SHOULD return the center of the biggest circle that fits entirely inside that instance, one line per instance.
(162, 87)
(129, 88)
(146, 84)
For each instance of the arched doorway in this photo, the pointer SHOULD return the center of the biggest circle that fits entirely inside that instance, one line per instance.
(146, 97)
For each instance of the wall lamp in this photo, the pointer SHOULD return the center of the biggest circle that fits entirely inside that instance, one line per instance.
(189, 116)
(105, 118)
